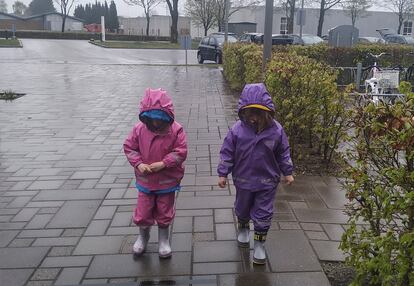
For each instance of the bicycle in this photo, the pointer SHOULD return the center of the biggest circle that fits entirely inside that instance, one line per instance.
(384, 83)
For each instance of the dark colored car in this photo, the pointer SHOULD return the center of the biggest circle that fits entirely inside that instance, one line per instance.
(210, 47)
(306, 40)
(277, 39)
(251, 38)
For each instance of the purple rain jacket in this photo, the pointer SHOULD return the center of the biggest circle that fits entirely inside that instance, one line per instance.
(256, 161)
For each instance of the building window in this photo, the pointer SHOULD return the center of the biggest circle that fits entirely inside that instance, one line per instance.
(408, 28)
(283, 25)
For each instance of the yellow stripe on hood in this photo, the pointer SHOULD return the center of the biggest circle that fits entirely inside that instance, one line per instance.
(257, 106)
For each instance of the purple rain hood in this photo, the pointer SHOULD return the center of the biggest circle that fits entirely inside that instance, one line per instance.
(256, 161)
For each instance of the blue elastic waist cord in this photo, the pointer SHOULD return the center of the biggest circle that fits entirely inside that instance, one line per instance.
(159, 192)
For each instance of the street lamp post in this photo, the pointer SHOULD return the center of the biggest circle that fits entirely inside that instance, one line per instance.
(267, 49)
(226, 20)
(301, 19)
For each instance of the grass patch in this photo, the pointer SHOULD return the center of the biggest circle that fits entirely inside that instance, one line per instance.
(10, 43)
(10, 95)
(140, 45)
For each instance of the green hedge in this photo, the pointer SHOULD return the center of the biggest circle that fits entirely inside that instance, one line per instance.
(80, 36)
(380, 188)
(242, 64)
(309, 104)
(349, 57)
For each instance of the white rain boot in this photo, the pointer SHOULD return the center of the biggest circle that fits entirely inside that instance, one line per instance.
(164, 248)
(141, 243)
(243, 236)
(259, 254)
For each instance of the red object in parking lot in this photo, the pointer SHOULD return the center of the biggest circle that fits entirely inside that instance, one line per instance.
(94, 28)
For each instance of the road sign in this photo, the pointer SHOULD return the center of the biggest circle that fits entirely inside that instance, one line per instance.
(301, 17)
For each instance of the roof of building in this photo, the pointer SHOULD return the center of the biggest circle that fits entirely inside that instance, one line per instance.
(12, 16)
(53, 13)
(39, 16)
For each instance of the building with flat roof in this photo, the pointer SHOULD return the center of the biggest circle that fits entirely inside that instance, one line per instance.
(51, 21)
(367, 24)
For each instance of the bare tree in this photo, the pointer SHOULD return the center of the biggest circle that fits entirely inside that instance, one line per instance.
(234, 7)
(148, 6)
(202, 13)
(289, 7)
(403, 9)
(173, 7)
(356, 9)
(324, 6)
(65, 7)
(3, 6)
(19, 8)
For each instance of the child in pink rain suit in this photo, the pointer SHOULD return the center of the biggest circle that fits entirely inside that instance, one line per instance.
(156, 148)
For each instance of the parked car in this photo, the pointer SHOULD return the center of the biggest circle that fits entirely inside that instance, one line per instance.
(399, 39)
(390, 36)
(371, 40)
(306, 40)
(280, 39)
(251, 38)
(210, 47)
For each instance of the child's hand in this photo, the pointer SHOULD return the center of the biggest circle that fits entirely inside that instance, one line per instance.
(144, 168)
(222, 182)
(157, 166)
(288, 180)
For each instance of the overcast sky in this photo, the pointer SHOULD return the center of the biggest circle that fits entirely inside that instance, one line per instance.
(123, 8)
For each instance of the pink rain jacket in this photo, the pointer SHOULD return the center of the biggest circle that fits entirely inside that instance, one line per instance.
(144, 146)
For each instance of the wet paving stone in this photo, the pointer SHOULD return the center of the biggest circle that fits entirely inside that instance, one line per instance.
(226, 231)
(107, 266)
(70, 276)
(45, 274)
(74, 214)
(6, 236)
(269, 279)
(68, 195)
(321, 216)
(328, 250)
(66, 261)
(214, 251)
(14, 277)
(283, 257)
(22, 257)
(99, 245)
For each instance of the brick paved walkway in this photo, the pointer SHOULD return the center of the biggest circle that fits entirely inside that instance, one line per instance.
(66, 190)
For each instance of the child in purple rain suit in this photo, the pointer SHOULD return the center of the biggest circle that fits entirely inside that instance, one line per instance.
(256, 151)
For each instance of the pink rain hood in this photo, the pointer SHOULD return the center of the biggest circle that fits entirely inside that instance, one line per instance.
(144, 146)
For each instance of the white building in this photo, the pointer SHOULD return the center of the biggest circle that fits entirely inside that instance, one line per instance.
(53, 22)
(159, 25)
(48, 21)
(367, 24)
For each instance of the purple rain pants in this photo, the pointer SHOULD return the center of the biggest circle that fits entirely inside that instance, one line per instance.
(255, 206)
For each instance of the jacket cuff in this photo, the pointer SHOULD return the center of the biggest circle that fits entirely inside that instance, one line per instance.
(167, 163)
(222, 175)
